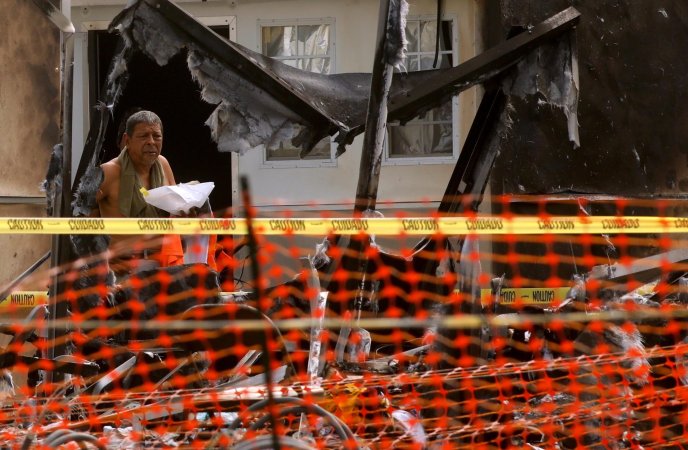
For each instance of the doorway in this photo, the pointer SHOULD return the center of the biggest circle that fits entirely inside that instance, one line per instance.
(170, 92)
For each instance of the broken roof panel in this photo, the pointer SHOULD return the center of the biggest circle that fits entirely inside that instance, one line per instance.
(262, 101)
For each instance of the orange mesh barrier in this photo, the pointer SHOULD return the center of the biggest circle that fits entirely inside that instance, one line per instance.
(544, 339)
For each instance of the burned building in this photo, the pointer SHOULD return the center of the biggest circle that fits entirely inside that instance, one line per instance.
(439, 359)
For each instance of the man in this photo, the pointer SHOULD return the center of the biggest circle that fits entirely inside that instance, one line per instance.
(139, 165)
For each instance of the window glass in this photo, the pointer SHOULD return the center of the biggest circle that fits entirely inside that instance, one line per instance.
(430, 134)
(306, 47)
(279, 41)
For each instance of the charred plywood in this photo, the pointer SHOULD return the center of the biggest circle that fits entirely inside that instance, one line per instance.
(632, 109)
(29, 113)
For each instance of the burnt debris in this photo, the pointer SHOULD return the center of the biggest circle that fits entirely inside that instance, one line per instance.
(632, 106)
(261, 101)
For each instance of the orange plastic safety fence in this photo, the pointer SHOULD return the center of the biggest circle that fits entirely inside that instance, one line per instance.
(553, 341)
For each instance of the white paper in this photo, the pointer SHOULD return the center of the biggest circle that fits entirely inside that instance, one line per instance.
(179, 198)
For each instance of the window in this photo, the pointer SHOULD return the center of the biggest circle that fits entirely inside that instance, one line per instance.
(431, 138)
(306, 44)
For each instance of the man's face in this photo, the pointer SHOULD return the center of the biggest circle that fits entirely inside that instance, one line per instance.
(145, 144)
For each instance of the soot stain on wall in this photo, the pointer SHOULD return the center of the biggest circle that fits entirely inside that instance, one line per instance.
(633, 105)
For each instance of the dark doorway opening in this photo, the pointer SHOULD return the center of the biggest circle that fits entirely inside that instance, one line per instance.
(170, 92)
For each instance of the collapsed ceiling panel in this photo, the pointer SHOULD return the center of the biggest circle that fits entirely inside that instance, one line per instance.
(261, 101)
(631, 111)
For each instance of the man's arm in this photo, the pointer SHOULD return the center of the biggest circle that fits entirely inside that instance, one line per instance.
(108, 193)
(100, 196)
(167, 171)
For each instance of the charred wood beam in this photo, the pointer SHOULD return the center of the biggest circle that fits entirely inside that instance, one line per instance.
(354, 260)
(470, 176)
(472, 170)
(376, 119)
(403, 106)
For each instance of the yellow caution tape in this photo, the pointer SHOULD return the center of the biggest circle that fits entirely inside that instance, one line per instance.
(30, 299)
(379, 226)
(508, 296)
(524, 296)
(24, 299)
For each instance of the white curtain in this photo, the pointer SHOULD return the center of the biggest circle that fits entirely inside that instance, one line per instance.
(431, 133)
(306, 47)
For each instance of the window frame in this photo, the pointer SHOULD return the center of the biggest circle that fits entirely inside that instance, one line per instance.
(331, 21)
(208, 21)
(387, 159)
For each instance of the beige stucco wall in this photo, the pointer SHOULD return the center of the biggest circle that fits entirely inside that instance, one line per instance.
(29, 121)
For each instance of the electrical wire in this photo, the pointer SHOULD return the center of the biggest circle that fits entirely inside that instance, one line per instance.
(28, 440)
(56, 439)
(279, 335)
(55, 435)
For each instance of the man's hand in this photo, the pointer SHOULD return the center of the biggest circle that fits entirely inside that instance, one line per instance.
(193, 213)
